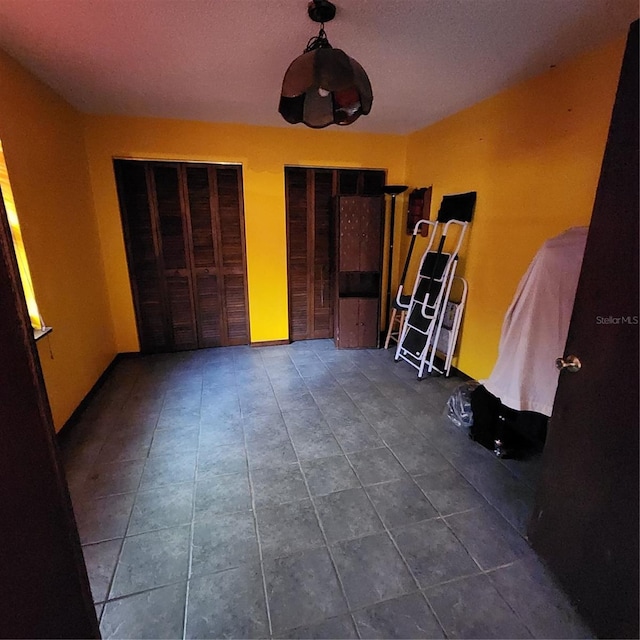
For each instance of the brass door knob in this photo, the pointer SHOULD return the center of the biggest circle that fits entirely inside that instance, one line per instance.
(570, 363)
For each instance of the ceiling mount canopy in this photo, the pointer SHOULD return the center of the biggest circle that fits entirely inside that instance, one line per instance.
(324, 85)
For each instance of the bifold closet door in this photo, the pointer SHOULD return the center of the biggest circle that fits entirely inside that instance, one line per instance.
(309, 195)
(184, 233)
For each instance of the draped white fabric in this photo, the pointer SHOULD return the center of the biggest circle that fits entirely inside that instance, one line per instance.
(535, 327)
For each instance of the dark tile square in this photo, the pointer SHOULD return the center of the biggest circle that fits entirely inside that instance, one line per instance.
(311, 444)
(222, 494)
(371, 570)
(278, 485)
(376, 465)
(490, 539)
(162, 508)
(179, 418)
(228, 604)
(512, 497)
(185, 396)
(393, 427)
(152, 560)
(288, 528)
(265, 426)
(400, 502)
(170, 440)
(532, 593)
(121, 446)
(267, 453)
(309, 421)
(103, 518)
(302, 588)
(176, 468)
(326, 475)
(296, 402)
(215, 461)
(256, 401)
(113, 478)
(417, 456)
(472, 608)
(223, 542)
(100, 560)
(433, 553)
(215, 432)
(218, 406)
(355, 435)
(347, 514)
(152, 614)
(341, 627)
(449, 492)
(404, 617)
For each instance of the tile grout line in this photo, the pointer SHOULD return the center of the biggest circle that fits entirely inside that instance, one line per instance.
(120, 406)
(124, 535)
(393, 541)
(449, 459)
(386, 529)
(255, 519)
(483, 572)
(185, 608)
(319, 521)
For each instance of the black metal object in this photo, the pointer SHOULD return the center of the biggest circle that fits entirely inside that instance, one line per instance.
(321, 11)
(392, 190)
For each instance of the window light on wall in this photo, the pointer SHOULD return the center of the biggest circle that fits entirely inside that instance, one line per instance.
(25, 275)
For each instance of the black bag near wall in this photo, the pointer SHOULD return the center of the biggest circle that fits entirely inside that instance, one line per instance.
(506, 432)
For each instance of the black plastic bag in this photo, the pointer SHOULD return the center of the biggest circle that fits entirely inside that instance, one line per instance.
(459, 405)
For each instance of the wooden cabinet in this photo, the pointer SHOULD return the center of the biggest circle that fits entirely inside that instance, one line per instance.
(184, 235)
(359, 266)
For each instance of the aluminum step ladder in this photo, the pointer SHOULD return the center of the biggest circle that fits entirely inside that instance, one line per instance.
(431, 289)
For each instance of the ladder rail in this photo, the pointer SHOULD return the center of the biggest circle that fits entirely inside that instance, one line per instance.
(431, 310)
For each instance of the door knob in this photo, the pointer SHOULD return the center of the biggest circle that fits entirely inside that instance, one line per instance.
(570, 363)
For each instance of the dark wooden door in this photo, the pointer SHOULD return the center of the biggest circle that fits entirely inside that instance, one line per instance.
(310, 275)
(310, 195)
(585, 522)
(43, 581)
(184, 233)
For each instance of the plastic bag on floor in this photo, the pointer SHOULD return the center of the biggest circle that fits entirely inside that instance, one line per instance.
(459, 405)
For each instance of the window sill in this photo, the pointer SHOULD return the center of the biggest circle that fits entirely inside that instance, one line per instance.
(41, 333)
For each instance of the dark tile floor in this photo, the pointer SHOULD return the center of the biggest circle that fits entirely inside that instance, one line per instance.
(300, 492)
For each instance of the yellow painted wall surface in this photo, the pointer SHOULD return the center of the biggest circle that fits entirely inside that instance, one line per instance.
(44, 149)
(263, 153)
(533, 154)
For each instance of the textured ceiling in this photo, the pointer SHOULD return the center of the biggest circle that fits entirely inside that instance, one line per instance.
(223, 60)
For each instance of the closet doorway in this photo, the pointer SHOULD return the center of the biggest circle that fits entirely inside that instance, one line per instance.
(184, 234)
(310, 196)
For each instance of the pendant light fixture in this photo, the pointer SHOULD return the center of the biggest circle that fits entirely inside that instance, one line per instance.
(324, 85)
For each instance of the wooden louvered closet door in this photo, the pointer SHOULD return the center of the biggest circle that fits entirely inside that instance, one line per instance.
(309, 208)
(310, 196)
(184, 232)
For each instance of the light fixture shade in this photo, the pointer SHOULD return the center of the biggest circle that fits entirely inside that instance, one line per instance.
(325, 86)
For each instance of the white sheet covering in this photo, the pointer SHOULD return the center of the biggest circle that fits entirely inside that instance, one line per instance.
(535, 327)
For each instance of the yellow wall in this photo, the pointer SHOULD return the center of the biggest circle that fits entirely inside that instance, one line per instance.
(46, 160)
(533, 154)
(263, 153)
